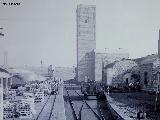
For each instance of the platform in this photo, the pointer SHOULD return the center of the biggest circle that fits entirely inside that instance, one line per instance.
(59, 109)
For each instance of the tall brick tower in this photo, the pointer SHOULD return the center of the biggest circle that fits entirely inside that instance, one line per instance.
(86, 40)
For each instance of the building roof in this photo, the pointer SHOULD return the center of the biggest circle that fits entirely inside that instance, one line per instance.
(110, 65)
(3, 70)
(4, 75)
(147, 59)
(123, 66)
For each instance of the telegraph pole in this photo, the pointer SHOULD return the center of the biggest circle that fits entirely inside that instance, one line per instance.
(158, 74)
(1, 87)
(157, 91)
(5, 59)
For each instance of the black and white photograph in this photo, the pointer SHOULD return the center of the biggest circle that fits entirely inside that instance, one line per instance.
(79, 60)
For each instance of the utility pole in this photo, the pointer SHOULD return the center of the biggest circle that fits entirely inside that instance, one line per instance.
(5, 59)
(5, 64)
(157, 90)
(41, 67)
(158, 74)
(1, 88)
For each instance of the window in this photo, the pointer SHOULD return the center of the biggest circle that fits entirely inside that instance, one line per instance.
(126, 80)
(146, 78)
(4, 82)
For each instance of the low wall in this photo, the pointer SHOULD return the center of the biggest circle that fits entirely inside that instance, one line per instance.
(114, 113)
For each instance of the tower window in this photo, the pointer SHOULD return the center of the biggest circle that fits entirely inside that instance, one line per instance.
(146, 78)
(126, 80)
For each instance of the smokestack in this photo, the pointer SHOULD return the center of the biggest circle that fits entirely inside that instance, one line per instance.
(159, 45)
(5, 59)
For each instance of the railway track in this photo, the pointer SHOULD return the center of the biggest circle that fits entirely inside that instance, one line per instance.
(78, 116)
(96, 115)
(46, 111)
(104, 111)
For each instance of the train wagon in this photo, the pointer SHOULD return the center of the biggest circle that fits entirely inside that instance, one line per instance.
(91, 88)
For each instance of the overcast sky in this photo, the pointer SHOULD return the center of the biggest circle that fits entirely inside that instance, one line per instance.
(46, 29)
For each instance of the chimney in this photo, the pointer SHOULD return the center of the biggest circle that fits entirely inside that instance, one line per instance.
(6, 59)
(159, 45)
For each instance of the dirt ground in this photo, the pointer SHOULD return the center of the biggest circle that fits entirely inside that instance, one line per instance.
(140, 101)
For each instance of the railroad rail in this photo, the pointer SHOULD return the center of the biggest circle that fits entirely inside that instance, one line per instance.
(71, 104)
(101, 113)
(105, 111)
(48, 113)
(96, 115)
(84, 102)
